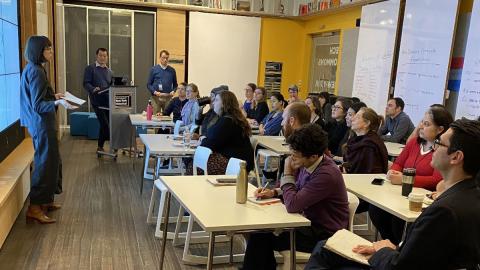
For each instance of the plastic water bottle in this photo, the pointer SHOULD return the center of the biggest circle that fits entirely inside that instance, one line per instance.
(186, 137)
(242, 183)
(149, 110)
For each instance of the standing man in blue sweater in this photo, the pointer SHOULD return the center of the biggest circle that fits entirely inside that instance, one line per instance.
(96, 80)
(162, 83)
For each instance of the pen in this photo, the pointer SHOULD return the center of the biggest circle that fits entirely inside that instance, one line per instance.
(263, 188)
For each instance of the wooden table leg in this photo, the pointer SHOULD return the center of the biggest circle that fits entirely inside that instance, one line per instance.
(293, 250)
(165, 229)
(211, 247)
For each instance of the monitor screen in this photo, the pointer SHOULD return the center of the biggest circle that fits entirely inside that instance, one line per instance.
(9, 64)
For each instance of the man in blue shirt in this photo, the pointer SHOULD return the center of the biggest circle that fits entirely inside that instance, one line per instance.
(397, 126)
(162, 83)
(97, 79)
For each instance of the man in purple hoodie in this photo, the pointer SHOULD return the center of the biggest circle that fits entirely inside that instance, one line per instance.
(312, 185)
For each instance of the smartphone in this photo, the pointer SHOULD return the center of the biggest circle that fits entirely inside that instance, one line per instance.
(227, 180)
(378, 181)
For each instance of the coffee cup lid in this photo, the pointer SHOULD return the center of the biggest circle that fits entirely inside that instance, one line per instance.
(416, 196)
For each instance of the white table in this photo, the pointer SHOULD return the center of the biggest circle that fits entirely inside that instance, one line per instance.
(161, 145)
(275, 143)
(215, 210)
(387, 197)
(139, 120)
(394, 149)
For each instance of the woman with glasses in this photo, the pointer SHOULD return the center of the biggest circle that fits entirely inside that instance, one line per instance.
(417, 154)
(352, 111)
(272, 123)
(38, 103)
(249, 102)
(337, 128)
(190, 109)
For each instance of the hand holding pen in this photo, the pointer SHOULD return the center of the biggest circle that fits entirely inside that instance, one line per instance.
(264, 193)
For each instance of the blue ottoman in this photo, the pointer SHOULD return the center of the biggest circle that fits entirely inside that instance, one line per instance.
(79, 123)
(93, 127)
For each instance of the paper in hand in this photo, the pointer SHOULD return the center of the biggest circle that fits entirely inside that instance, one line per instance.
(73, 99)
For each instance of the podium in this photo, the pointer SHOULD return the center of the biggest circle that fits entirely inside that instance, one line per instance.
(122, 102)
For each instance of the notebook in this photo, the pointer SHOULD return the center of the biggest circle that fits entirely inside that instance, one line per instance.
(342, 243)
(263, 201)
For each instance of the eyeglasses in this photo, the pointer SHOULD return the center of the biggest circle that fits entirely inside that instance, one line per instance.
(335, 107)
(437, 143)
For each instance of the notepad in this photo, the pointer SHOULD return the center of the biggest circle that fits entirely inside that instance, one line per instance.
(342, 243)
(263, 201)
(73, 99)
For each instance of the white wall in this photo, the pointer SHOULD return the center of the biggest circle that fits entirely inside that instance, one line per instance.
(223, 49)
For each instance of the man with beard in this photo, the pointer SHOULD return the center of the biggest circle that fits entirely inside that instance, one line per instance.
(295, 115)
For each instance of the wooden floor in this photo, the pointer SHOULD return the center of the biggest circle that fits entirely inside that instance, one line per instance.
(102, 224)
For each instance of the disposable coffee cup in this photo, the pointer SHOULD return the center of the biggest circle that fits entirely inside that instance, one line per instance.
(408, 181)
(415, 201)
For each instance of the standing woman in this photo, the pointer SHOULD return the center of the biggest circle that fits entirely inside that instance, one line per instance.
(37, 113)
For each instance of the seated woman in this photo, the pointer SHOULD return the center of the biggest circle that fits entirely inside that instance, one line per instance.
(416, 154)
(325, 106)
(248, 104)
(348, 119)
(208, 119)
(316, 112)
(260, 107)
(337, 128)
(229, 136)
(272, 123)
(191, 108)
(365, 152)
(311, 185)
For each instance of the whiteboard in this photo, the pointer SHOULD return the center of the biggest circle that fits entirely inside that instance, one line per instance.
(424, 55)
(223, 49)
(468, 104)
(376, 44)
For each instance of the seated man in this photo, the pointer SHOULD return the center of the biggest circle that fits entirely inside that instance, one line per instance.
(295, 116)
(446, 234)
(312, 185)
(397, 126)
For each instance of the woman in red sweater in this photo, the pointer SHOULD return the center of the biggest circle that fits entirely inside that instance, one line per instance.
(416, 154)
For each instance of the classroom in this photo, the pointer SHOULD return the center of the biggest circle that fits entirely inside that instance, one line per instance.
(240, 134)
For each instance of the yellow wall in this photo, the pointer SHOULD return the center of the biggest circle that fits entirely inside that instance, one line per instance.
(290, 42)
(282, 40)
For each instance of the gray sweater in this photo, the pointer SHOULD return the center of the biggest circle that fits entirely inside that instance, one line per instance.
(399, 128)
